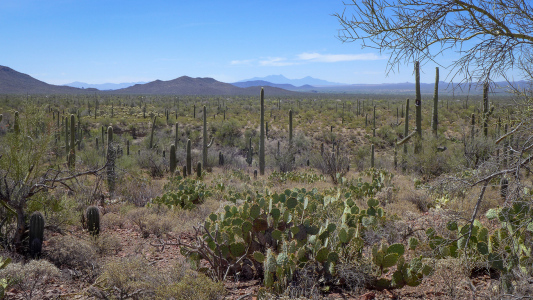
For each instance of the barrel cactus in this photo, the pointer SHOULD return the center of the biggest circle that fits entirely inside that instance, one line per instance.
(36, 233)
(93, 220)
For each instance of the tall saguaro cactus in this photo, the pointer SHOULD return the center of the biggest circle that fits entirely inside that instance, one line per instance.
(189, 157)
(111, 156)
(435, 120)
(290, 127)
(152, 133)
(262, 135)
(71, 146)
(173, 162)
(486, 111)
(418, 107)
(406, 128)
(204, 138)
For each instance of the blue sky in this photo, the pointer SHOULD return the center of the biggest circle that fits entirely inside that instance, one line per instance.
(94, 41)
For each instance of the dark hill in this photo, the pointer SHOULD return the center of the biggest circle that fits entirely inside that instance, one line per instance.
(13, 82)
(185, 85)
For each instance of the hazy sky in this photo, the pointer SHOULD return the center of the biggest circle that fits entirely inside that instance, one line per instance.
(95, 41)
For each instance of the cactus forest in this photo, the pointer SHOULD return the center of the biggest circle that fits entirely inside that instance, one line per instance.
(311, 196)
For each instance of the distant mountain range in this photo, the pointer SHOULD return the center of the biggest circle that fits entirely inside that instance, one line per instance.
(102, 86)
(13, 82)
(280, 79)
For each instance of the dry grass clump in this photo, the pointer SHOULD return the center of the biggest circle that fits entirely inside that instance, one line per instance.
(70, 252)
(112, 220)
(32, 278)
(452, 273)
(134, 277)
(106, 243)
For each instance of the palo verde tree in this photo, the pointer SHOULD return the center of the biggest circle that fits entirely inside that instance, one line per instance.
(490, 38)
(26, 170)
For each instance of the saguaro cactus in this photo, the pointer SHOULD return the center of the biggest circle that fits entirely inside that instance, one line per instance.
(189, 157)
(418, 106)
(249, 155)
(204, 138)
(435, 120)
(152, 133)
(199, 170)
(372, 156)
(111, 156)
(486, 111)
(262, 135)
(290, 127)
(71, 158)
(173, 162)
(176, 135)
(36, 233)
(374, 123)
(93, 220)
(406, 127)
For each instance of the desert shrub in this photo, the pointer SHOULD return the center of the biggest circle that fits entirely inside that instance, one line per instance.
(191, 286)
(138, 190)
(32, 278)
(139, 217)
(128, 277)
(112, 220)
(106, 243)
(68, 251)
(159, 224)
(153, 162)
(228, 133)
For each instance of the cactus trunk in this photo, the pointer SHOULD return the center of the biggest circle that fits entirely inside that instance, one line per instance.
(173, 162)
(188, 160)
(435, 120)
(418, 106)
(262, 135)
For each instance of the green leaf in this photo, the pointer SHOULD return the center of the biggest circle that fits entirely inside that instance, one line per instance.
(452, 225)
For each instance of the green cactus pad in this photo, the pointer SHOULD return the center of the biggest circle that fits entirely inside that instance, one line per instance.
(413, 242)
(277, 235)
(255, 211)
(237, 249)
(291, 203)
(396, 248)
(259, 257)
(390, 260)
(322, 254)
(372, 202)
(483, 248)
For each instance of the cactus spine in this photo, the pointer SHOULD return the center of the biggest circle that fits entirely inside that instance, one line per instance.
(189, 158)
(36, 233)
(435, 119)
(262, 135)
(93, 220)
(204, 138)
(418, 106)
(152, 133)
(173, 162)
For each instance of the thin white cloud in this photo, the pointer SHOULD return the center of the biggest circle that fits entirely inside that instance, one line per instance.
(242, 62)
(307, 57)
(276, 62)
(317, 57)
